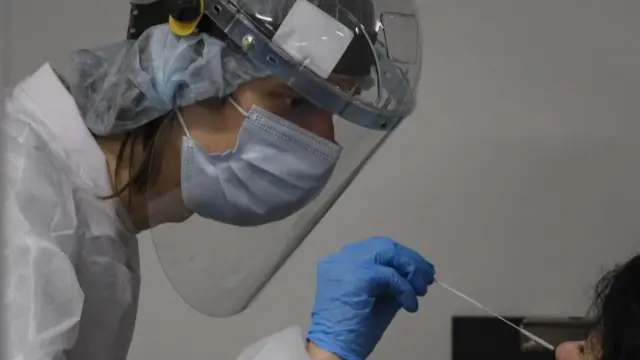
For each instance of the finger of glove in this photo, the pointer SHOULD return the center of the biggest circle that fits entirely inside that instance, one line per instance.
(412, 266)
(389, 282)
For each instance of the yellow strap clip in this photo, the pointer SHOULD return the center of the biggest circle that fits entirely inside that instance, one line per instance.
(182, 28)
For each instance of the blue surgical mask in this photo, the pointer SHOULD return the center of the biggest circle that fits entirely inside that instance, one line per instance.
(275, 170)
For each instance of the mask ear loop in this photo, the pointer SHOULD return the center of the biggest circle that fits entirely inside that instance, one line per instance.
(183, 123)
(237, 106)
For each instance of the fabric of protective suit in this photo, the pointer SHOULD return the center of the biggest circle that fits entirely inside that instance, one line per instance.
(71, 291)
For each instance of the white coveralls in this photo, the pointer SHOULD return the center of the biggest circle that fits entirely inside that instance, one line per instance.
(72, 258)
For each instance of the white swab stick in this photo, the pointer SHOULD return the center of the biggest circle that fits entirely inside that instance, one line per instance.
(525, 332)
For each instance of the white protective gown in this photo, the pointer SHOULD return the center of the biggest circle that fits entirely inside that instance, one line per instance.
(72, 264)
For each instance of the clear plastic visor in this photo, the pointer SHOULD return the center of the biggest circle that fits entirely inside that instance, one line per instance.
(344, 75)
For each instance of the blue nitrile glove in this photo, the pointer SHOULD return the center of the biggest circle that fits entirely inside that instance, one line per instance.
(360, 290)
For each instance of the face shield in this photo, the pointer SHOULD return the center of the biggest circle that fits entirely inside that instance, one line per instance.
(354, 62)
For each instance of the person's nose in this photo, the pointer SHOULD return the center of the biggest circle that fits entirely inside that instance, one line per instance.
(570, 351)
(319, 122)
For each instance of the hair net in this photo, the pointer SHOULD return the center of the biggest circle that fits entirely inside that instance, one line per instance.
(125, 85)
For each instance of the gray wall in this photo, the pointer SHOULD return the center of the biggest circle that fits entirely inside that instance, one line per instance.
(4, 43)
(517, 176)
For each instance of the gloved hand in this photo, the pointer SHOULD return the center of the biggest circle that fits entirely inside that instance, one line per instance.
(360, 289)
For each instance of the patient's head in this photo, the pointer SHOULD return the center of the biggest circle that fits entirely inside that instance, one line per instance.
(616, 335)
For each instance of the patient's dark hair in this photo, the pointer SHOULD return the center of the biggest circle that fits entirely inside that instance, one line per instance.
(617, 305)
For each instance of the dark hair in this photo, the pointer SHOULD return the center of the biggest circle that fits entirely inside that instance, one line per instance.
(143, 172)
(617, 306)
